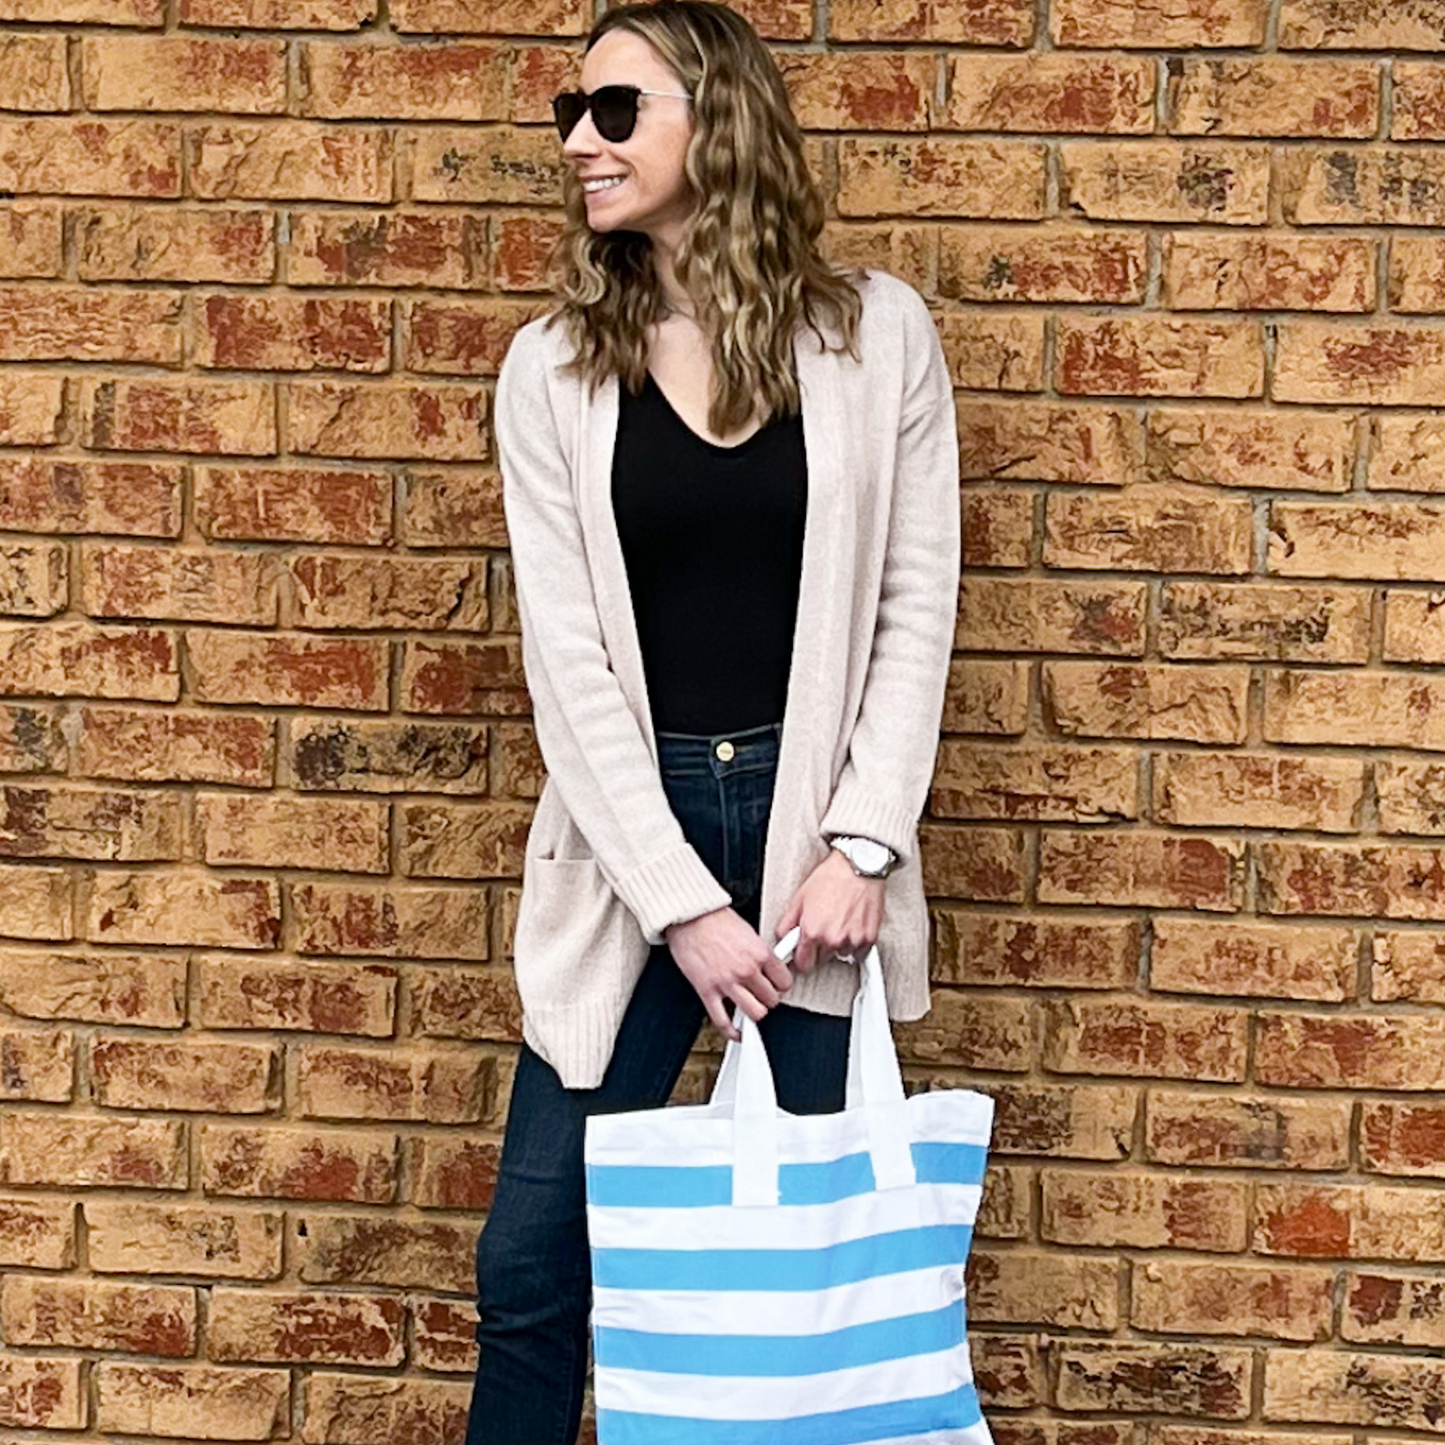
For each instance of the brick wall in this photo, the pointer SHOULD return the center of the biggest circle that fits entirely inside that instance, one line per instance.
(268, 769)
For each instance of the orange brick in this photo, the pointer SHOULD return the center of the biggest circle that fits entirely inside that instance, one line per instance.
(1183, 1379)
(33, 581)
(1073, 1121)
(1399, 1138)
(120, 580)
(463, 338)
(33, 74)
(86, 12)
(521, 247)
(1033, 1287)
(67, 157)
(1361, 186)
(467, 1003)
(63, 324)
(1192, 955)
(1258, 790)
(185, 908)
(1184, 1297)
(1418, 96)
(1407, 964)
(859, 90)
(1271, 272)
(994, 180)
(401, 1253)
(102, 988)
(438, 1086)
(297, 671)
(394, 921)
(1274, 96)
(1338, 1221)
(1140, 870)
(284, 1327)
(291, 160)
(1041, 263)
(342, 591)
(1409, 796)
(1264, 623)
(438, 422)
(75, 659)
(41, 1394)
(1160, 27)
(1143, 1037)
(982, 865)
(405, 82)
(1223, 183)
(37, 1234)
(371, 1411)
(241, 77)
(39, 903)
(1152, 701)
(997, 524)
(207, 1077)
(200, 1240)
(291, 333)
(39, 1065)
(460, 678)
(1152, 356)
(1370, 709)
(986, 697)
(492, 167)
(501, 17)
(293, 504)
(1369, 25)
(1247, 1132)
(444, 1335)
(1006, 614)
(1043, 441)
(1239, 447)
(971, 1031)
(1307, 1051)
(143, 745)
(185, 415)
(200, 1402)
(97, 1315)
(138, 499)
(995, 351)
(1149, 528)
(140, 243)
(1392, 881)
(280, 831)
(1393, 1309)
(77, 1152)
(455, 1174)
(1142, 1211)
(30, 232)
(278, 14)
(1034, 784)
(309, 996)
(277, 1163)
(391, 249)
(1390, 365)
(456, 840)
(40, 821)
(1056, 93)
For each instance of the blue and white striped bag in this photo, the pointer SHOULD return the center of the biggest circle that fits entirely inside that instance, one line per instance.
(763, 1278)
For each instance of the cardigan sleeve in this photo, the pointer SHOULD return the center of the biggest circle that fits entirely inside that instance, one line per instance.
(884, 782)
(591, 742)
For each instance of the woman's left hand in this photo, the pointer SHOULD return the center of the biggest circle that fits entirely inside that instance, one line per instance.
(835, 910)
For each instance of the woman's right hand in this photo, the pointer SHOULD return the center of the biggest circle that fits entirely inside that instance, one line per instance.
(725, 959)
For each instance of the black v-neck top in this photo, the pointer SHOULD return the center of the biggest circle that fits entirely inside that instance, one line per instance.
(713, 541)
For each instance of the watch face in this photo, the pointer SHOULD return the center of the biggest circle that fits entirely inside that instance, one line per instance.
(870, 856)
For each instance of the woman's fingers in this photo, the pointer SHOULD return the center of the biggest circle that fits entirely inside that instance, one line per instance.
(777, 973)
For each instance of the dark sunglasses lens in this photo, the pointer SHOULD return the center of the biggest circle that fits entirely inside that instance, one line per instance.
(568, 108)
(614, 109)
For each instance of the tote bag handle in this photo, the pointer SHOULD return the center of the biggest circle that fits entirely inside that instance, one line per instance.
(875, 1088)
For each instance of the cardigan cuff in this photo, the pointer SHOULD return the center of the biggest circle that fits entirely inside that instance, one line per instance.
(670, 889)
(855, 810)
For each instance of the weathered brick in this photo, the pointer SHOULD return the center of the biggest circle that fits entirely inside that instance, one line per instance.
(294, 671)
(1247, 1132)
(995, 351)
(905, 250)
(169, 584)
(211, 1077)
(1343, 1387)
(1410, 796)
(1041, 263)
(184, 907)
(1363, 879)
(438, 422)
(503, 17)
(365, 1410)
(521, 246)
(73, 157)
(1006, 1209)
(66, 324)
(1009, 1370)
(983, 22)
(37, 903)
(33, 73)
(859, 90)
(518, 770)
(1399, 1138)
(1258, 790)
(37, 1233)
(400, 593)
(1043, 441)
(94, 823)
(1416, 283)
(1269, 272)
(1151, 528)
(31, 235)
(1239, 447)
(386, 757)
(1389, 365)
(455, 840)
(31, 739)
(1309, 1051)
(210, 1243)
(1073, 1121)
(394, 249)
(436, 1086)
(1140, 870)
(467, 1003)
(196, 1402)
(1370, 709)
(455, 1173)
(145, 414)
(1056, 93)
(1393, 1309)
(1147, 700)
(1146, 1038)
(463, 338)
(1413, 630)
(309, 997)
(444, 1335)
(145, 745)
(141, 243)
(272, 1327)
(1164, 1379)
(1225, 183)
(1160, 27)
(86, 12)
(80, 1152)
(507, 166)
(1191, 955)
(1049, 784)
(40, 1394)
(98, 988)
(37, 1065)
(1361, 186)
(279, 14)
(940, 176)
(1007, 614)
(971, 1030)
(1159, 356)
(1033, 1287)
(31, 408)
(402, 1253)
(1182, 1297)
(986, 697)
(291, 333)
(986, 948)
(454, 509)
(81, 1314)
(290, 160)
(466, 678)
(1274, 96)
(134, 498)
(277, 1163)
(405, 82)
(286, 831)
(188, 73)
(68, 659)
(394, 921)
(1264, 623)
(293, 504)
(1365, 25)
(33, 579)
(1417, 94)
(1406, 964)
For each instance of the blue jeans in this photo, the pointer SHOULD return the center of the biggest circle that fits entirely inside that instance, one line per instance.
(533, 1268)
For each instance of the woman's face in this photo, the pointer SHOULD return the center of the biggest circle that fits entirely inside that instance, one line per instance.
(653, 195)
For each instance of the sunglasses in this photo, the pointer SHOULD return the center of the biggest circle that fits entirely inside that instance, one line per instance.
(613, 107)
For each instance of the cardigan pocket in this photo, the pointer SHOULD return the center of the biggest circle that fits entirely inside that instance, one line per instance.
(567, 915)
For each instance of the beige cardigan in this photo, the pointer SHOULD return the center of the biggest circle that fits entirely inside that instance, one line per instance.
(607, 867)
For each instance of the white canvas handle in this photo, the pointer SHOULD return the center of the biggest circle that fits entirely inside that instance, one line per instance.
(875, 1086)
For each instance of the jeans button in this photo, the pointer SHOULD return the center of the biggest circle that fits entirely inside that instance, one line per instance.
(725, 751)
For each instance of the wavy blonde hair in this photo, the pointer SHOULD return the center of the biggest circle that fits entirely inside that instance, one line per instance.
(749, 256)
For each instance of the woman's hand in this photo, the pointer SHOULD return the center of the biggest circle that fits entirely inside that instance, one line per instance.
(725, 959)
(837, 911)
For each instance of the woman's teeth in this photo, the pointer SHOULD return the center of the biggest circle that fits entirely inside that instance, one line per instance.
(602, 185)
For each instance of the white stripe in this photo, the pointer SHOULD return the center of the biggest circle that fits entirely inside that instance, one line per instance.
(816, 1312)
(757, 1397)
(783, 1226)
(697, 1134)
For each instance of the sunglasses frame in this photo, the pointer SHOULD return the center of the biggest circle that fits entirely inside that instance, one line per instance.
(588, 107)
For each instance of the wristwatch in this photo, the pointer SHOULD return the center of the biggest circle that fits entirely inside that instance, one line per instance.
(870, 859)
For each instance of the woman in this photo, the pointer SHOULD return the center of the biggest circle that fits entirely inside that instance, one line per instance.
(731, 487)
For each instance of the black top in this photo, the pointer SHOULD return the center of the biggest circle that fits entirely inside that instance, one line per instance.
(713, 541)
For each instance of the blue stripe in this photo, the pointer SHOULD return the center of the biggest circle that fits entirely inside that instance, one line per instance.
(956, 1410)
(785, 1355)
(782, 1269)
(654, 1186)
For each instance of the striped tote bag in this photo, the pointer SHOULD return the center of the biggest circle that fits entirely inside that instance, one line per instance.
(764, 1278)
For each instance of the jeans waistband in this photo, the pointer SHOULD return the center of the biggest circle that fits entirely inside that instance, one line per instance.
(747, 751)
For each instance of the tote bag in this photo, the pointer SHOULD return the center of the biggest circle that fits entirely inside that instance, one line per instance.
(764, 1278)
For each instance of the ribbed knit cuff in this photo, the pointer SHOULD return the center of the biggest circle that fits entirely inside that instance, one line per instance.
(670, 889)
(857, 811)
(576, 1039)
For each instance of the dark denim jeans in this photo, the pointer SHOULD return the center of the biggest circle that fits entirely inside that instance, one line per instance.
(533, 1268)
